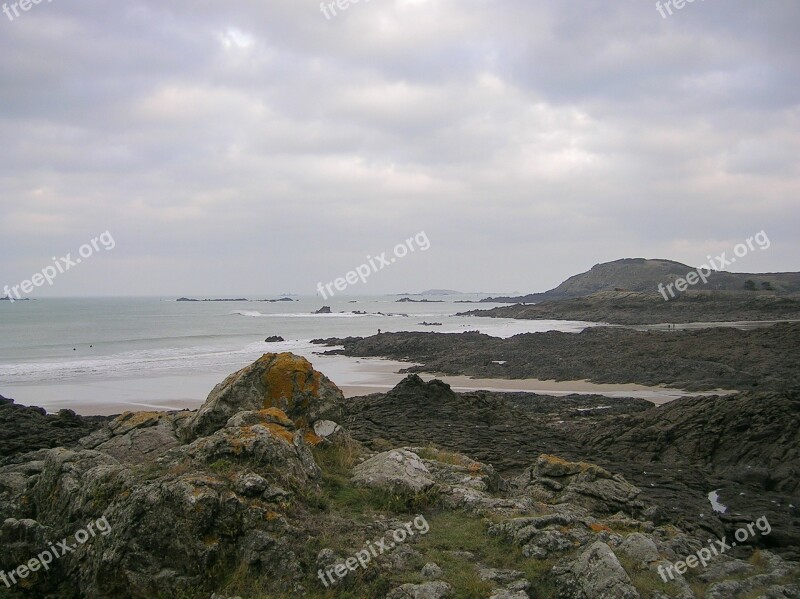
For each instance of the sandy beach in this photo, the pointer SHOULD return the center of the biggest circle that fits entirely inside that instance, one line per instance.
(355, 376)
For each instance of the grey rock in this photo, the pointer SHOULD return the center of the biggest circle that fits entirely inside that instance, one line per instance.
(432, 570)
(598, 574)
(640, 547)
(326, 428)
(250, 484)
(397, 470)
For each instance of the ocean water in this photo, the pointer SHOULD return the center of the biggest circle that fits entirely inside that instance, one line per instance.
(60, 352)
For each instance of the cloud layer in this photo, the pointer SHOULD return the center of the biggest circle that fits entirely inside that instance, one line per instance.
(258, 147)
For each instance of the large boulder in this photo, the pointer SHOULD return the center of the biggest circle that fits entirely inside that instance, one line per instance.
(597, 574)
(555, 480)
(396, 470)
(284, 381)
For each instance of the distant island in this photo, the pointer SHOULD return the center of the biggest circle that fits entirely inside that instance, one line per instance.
(189, 299)
(9, 299)
(241, 299)
(435, 292)
(422, 301)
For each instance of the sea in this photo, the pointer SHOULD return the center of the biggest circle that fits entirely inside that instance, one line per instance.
(107, 355)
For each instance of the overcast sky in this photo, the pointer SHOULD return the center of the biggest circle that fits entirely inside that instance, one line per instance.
(258, 147)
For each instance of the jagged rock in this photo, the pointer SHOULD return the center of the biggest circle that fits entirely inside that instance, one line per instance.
(724, 568)
(274, 339)
(427, 590)
(398, 469)
(283, 381)
(268, 450)
(597, 574)
(640, 547)
(513, 580)
(578, 483)
(137, 437)
(29, 428)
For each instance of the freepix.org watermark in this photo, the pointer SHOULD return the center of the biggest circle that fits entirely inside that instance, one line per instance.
(363, 557)
(24, 5)
(702, 273)
(60, 266)
(665, 10)
(55, 551)
(715, 548)
(324, 7)
(401, 250)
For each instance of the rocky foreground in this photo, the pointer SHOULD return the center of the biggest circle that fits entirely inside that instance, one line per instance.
(277, 483)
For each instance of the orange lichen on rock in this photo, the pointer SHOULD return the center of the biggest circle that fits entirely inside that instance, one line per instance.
(275, 416)
(555, 466)
(288, 375)
(311, 438)
(597, 527)
(280, 432)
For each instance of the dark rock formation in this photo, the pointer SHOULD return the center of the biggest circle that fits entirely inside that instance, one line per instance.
(697, 360)
(634, 308)
(24, 428)
(323, 310)
(274, 339)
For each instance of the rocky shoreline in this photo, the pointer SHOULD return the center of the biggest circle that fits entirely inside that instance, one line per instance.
(267, 489)
(695, 360)
(636, 308)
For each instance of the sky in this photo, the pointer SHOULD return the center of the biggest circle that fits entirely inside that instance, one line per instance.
(261, 147)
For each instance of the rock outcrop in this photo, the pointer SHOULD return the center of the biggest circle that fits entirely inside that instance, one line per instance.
(283, 381)
(761, 359)
(27, 428)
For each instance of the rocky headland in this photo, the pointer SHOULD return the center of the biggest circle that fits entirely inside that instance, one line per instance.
(646, 275)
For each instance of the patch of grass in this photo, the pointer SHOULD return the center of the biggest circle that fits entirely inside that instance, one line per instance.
(221, 467)
(343, 496)
(459, 531)
(431, 452)
(361, 584)
(646, 581)
(339, 457)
